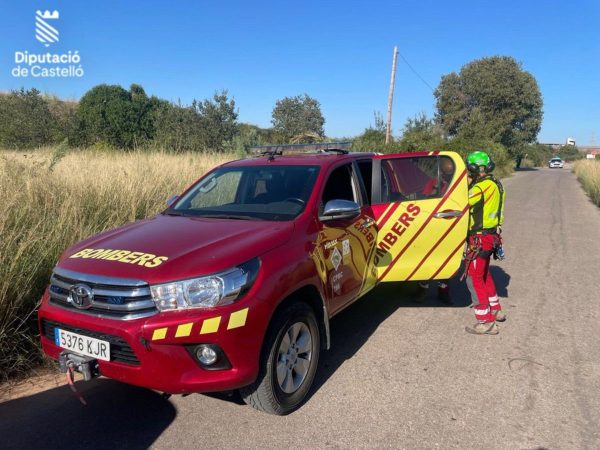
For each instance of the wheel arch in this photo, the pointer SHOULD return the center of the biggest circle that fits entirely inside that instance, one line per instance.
(310, 295)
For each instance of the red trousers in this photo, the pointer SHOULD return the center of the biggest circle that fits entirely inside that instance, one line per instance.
(480, 282)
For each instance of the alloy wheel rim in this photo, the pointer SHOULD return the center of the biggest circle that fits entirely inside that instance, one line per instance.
(294, 357)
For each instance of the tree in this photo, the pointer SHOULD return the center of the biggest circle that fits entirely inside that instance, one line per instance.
(25, 120)
(373, 138)
(421, 133)
(111, 114)
(491, 98)
(64, 114)
(208, 125)
(300, 115)
(218, 119)
(569, 153)
(178, 128)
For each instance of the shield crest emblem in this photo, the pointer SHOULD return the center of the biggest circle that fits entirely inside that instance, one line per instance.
(45, 27)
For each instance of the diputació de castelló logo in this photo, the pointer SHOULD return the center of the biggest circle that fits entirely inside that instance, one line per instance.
(47, 65)
(45, 32)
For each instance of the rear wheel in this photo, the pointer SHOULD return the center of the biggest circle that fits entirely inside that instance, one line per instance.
(288, 363)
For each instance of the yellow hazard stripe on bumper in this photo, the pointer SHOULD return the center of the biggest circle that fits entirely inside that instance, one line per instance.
(159, 333)
(183, 330)
(210, 325)
(237, 319)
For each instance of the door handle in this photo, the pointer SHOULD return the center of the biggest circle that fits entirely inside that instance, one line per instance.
(367, 223)
(447, 214)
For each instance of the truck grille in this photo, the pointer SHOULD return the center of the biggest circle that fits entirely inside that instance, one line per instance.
(113, 298)
(120, 351)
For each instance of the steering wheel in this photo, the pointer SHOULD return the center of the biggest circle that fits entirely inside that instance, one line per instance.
(295, 200)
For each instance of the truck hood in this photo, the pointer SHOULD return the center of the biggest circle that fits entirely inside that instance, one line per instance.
(167, 248)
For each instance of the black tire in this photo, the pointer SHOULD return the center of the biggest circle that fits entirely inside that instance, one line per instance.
(266, 393)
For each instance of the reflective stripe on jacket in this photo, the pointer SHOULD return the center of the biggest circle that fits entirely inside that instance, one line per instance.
(484, 201)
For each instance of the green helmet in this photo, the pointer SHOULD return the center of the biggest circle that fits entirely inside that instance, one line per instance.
(478, 159)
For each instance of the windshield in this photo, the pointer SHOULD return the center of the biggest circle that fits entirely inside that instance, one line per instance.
(249, 193)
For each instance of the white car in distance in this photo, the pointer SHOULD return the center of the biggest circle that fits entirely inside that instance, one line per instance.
(556, 162)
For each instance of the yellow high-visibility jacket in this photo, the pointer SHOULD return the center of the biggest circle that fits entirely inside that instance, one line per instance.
(486, 200)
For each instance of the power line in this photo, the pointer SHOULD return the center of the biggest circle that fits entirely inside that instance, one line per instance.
(415, 72)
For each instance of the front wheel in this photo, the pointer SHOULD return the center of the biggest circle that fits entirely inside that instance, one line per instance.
(288, 362)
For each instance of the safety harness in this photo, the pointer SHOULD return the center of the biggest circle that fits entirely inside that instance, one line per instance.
(474, 248)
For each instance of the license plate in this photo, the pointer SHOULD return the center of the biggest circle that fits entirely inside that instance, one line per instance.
(82, 345)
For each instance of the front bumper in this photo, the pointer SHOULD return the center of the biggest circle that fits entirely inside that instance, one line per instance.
(153, 352)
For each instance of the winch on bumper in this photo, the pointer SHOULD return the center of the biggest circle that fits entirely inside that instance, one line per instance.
(85, 365)
(182, 352)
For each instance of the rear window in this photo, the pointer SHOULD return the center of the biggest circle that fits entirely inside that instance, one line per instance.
(415, 178)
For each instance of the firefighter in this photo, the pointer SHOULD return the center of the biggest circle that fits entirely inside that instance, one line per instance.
(486, 200)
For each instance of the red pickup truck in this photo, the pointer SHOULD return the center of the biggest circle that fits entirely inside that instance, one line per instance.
(234, 284)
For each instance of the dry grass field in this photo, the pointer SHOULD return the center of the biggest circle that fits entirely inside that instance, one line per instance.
(52, 198)
(588, 173)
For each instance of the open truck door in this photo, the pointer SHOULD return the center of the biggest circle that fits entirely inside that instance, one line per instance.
(420, 204)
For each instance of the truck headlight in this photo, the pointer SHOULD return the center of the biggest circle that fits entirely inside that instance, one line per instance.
(208, 291)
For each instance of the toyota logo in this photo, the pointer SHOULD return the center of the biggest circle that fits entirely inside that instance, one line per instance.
(81, 296)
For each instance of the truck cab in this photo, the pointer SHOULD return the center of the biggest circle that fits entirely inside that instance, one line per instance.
(233, 285)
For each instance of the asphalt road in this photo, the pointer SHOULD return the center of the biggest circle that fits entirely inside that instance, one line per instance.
(401, 374)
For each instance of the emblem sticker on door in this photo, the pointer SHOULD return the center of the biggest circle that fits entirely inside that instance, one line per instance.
(336, 258)
(346, 247)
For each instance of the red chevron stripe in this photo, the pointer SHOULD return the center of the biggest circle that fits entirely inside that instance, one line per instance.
(437, 208)
(387, 216)
(456, 221)
(461, 245)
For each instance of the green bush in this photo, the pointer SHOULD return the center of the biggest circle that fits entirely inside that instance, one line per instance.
(209, 125)
(26, 120)
(111, 114)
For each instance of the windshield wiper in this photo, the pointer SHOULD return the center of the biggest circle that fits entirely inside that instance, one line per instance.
(227, 216)
(175, 213)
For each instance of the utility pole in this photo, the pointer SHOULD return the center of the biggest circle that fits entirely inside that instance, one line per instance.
(388, 130)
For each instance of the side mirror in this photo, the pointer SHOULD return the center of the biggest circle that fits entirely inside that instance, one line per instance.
(172, 200)
(340, 209)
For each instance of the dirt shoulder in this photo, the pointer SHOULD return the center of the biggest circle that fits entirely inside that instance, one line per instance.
(42, 379)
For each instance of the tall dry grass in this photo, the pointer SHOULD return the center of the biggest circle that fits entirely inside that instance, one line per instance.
(588, 174)
(52, 198)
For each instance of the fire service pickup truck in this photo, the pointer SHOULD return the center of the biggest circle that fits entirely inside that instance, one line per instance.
(234, 284)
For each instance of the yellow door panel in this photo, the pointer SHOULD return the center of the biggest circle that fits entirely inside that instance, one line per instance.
(421, 235)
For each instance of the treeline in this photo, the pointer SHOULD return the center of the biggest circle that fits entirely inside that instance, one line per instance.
(423, 133)
(490, 104)
(109, 115)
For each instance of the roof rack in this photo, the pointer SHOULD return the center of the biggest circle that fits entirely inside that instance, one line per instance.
(320, 147)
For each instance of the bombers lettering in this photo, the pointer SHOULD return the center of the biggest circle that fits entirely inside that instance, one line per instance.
(125, 256)
(398, 228)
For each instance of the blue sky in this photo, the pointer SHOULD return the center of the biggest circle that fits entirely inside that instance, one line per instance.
(338, 52)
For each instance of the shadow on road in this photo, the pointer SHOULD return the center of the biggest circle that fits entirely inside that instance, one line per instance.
(117, 416)
(525, 169)
(352, 327)
(501, 279)
(123, 416)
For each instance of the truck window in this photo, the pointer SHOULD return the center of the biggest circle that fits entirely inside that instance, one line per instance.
(218, 190)
(340, 186)
(415, 178)
(365, 167)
